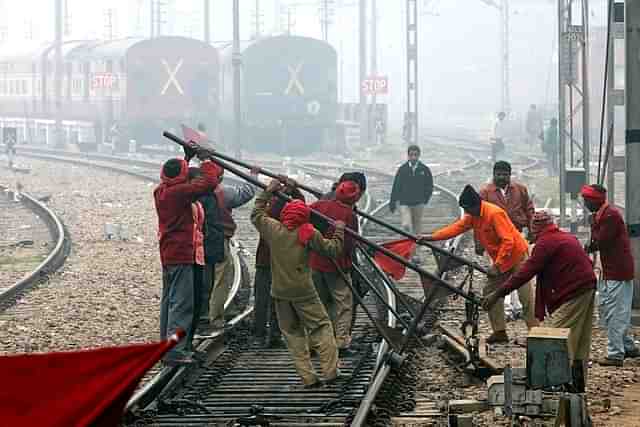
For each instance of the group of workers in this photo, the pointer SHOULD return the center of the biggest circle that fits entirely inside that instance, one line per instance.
(303, 285)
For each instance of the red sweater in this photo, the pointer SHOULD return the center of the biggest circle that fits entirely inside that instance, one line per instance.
(173, 198)
(610, 236)
(563, 271)
(342, 212)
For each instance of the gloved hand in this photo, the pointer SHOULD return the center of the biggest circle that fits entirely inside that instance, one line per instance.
(189, 152)
(490, 300)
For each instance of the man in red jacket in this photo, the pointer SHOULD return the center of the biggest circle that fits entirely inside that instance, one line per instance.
(176, 230)
(609, 236)
(565, 287)
(334, 292)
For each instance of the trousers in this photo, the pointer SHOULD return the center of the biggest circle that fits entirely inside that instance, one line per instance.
(221, 288)
(308, 318)
(411, 218)
(525, 294)
(265, 310)
(176, 306)
(577, 315)
(614, 304)
(337, 298)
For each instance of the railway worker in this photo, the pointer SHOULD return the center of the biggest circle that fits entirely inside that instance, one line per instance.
(412, 190)
(505, 245)
(550, 147)
(565, 288)
(332, 288)
(514, 198)
(266, 327)
(213, 251)
(173, 198)
(498, 137)
(228, 197)
(301, 314)
(533, 125)
(610, 238)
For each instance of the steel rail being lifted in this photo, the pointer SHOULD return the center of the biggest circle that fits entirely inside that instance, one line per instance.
(215, 156)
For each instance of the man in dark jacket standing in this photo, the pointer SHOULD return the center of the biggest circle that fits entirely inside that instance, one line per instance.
(412, 189)
(609, 236)
(173, 198)
(565, 288)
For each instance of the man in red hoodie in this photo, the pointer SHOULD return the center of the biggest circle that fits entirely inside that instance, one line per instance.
(609, 236)
(334, 292)
(565, 287)
(176, 232)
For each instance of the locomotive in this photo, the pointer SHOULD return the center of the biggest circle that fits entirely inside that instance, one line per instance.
(128, 89)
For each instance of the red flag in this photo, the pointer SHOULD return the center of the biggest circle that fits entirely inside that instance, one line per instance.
(403, 248)
(77, 388)
(193, 135)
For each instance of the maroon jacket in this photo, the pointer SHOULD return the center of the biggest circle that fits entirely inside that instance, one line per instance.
(263, 254)
(563, 268)
(339, 211)
(609, 235)
(518, 204)
(173, 198)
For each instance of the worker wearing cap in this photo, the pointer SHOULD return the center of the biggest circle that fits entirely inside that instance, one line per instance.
(504, 244)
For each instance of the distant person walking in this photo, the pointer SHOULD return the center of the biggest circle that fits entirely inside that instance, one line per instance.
(550, 147)
(533, 126)
(412, 190)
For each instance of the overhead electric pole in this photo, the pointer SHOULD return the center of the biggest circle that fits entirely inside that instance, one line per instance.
(632, 137)
(573, 95)
(505, 99)
(362, 21)
(237, 63)
(411, 115)
(207, 21)
(58, 72)
(374, 70)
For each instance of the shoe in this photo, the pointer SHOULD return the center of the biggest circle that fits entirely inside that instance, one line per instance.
(339, 377)
(277, 342)
(498, 337)
(632, 353)
(611, 362)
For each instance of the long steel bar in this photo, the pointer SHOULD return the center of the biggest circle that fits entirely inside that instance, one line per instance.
(436, 280)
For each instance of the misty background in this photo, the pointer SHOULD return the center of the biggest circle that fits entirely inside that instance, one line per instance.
(459, 40)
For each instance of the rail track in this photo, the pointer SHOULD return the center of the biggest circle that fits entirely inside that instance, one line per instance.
(241, 383)
(33, 244)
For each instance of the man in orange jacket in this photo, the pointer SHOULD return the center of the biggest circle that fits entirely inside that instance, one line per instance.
(504, 244)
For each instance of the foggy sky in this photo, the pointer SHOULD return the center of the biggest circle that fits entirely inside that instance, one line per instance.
(459, 47)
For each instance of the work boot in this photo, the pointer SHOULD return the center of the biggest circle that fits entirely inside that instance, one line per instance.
(611, 362)
(632, 353)
(498, 337)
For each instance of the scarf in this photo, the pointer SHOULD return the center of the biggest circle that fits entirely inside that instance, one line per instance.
(588, 192)
(348, 192)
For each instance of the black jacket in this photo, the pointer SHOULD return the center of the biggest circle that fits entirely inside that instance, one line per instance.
(412, 188)
(213, 230)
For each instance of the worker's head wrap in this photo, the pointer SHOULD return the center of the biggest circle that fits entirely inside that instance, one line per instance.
(502, 166)
(174, 171)
(348, 192)
(469, 197)
(357, 177)
(541, 220)
(596, 194)
(296, 215)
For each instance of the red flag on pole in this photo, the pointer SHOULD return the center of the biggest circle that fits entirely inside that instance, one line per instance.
(77, 388)
(403, 248)
(193, 135)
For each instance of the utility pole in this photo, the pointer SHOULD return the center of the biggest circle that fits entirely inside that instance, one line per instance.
(362, 21)
(207, 22)
(374, 68)
(411, 118)
(59, 141)
(505, 99)
(573, 92)
(632, 137)
(237, 63)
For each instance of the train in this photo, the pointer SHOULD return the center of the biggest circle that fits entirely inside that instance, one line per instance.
(118, 92)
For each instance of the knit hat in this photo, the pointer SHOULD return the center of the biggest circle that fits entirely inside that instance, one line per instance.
(348, 192)
(357, 177)
(296, 215)
(469, 197)
(596, 194)
(540, 221)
